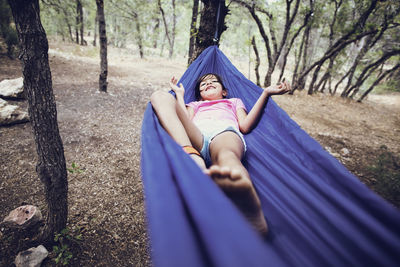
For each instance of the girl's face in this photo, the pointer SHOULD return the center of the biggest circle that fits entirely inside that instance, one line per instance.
(211, 89)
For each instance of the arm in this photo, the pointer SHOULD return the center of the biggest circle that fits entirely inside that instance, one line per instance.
(180, 92)
(247, 122)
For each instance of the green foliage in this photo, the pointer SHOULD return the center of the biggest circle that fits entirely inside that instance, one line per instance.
(64, 240)
(74, 168)
(387, 172)
(7, 31)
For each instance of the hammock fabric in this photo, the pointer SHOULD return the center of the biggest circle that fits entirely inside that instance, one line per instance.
(318, 213)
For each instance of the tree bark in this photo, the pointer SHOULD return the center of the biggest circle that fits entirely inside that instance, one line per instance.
(361, 53)
(257, 64)
(378, 80)
(77, 22)
(103, 46)
(368, 70)
(61, 9)
(155, 32)
(209, 26)
(139, 37)
(193, 29)
(348, 38)
(297, 65)
(170, 35)
(301, 82)
(51, 166)
(275, 51)
(79, 10)
(96, 20)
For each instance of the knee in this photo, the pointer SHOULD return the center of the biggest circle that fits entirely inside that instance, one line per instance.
(226, 155)
(161, 98)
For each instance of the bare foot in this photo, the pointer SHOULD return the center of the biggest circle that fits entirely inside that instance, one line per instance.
(238, 187)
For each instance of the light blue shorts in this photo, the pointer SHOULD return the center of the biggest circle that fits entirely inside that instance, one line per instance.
(209, 136)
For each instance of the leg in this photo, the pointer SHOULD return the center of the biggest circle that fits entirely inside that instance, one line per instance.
(175, 121)
(229, 173)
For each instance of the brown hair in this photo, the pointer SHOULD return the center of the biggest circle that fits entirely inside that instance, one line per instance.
(202, 78)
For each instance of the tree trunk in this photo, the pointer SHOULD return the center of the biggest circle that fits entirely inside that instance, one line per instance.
(326, 76)
(378, 80)
(370, 69)
(155, 32)
(301, 82)
(348, 38)
(103, 46)
(314, 78)
(96, 20)
(79, 9)
(273, 53)
(193, 28)
(361, 53)
(297, 65)
(170, 35)
(51, 166)
(77, 22)
(139, 38)
(257, 65)
(209, 26)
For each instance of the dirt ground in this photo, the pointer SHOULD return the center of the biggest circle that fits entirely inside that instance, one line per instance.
(101, 136)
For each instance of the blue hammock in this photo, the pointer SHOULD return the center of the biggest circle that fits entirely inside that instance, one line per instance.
(318, 213)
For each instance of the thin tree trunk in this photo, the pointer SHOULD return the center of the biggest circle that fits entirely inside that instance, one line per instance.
(346, 39)
(257, 65)
(96, 20)
(326, 76)
(155, 32)
(170, 35)
(139, 37)
(209, 26)
(378, 80)
(296, 67)
(313, 88)
(301, 82)
(314, 78)
(371, 68)
(103, 46)
(81, 24)
(51, 166)
(276, 50)
(171, 51)
(193, 29)
(361, 53)
(77, 22)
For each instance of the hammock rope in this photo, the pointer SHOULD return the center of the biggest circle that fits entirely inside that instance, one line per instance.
(216, 39)
(318, 213)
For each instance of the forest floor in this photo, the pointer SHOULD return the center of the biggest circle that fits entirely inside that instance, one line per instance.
(101, 137)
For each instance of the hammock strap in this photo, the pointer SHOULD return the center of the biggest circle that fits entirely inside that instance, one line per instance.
(216, 39)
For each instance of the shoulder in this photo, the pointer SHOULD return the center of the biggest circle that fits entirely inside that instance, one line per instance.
(193, 104)
(237, 102)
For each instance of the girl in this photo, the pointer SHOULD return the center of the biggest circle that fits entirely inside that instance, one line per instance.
(211, 131)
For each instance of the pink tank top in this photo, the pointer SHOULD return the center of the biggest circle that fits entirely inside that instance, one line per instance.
(223, 110)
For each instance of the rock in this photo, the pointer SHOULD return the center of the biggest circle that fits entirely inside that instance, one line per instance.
(336, 155)
(344, 152)
(23, 217)
(32, 257)
(12, 88)
(11, 114)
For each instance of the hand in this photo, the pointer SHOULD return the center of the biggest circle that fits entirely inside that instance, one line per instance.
(177, 89)
(279, 89)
